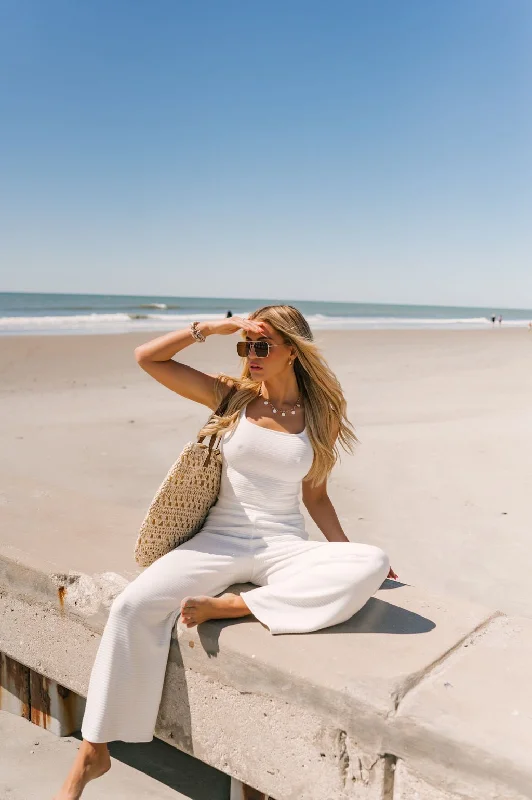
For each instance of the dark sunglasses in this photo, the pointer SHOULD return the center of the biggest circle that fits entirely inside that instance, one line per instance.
(262, 349)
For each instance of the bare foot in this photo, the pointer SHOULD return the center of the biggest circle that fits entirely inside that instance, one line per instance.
(92, 761)
(195, 610)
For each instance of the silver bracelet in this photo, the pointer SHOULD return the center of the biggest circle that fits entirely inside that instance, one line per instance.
(196, 333)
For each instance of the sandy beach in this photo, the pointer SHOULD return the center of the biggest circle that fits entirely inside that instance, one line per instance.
(441, 479)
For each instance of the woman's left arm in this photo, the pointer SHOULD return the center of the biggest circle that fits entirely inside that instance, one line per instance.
(319, 506)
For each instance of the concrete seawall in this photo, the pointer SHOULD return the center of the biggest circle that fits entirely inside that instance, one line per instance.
(417, 697)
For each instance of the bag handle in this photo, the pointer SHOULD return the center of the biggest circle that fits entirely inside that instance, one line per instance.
(220, 411)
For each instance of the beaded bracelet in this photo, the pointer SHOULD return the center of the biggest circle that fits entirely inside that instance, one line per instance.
(196, 333)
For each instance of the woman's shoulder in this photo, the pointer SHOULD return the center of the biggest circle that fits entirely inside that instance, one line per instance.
(224, 388)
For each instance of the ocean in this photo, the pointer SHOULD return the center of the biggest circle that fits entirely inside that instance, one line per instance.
(31, 313)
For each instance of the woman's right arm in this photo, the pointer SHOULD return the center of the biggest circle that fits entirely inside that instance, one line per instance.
(155, 358)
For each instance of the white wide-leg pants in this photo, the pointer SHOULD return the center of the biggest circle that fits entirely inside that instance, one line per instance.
(301, 586)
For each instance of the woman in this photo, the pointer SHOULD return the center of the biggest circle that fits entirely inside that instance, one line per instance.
(285, 415)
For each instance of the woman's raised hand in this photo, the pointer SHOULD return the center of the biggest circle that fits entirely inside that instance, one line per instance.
(234, 324)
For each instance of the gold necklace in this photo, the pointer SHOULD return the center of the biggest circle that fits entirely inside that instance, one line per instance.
(283, 413)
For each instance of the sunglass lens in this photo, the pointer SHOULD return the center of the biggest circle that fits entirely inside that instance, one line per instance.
(261, 349)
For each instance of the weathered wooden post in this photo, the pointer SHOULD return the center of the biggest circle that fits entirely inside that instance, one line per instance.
(43, 701)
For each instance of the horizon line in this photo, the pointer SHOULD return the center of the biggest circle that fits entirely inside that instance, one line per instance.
(294, 300)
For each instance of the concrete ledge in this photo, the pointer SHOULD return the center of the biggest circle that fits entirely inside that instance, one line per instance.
(477, 709)
(357, 711)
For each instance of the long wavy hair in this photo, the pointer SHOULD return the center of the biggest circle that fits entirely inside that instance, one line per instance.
(322, 398)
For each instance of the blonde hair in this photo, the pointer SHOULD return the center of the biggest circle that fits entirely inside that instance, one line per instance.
(321, 394)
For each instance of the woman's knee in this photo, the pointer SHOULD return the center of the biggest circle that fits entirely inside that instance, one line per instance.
(374, 557)
(130, 602)
(381, 561)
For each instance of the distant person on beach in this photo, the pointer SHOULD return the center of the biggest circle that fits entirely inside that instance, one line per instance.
(229, 314)
(278, 421)
(493, 320)
(500, 319)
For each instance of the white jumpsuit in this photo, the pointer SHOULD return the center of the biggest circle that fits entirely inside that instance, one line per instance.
(254, 533)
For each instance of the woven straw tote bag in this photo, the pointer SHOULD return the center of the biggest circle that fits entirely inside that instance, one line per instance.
(182, 502)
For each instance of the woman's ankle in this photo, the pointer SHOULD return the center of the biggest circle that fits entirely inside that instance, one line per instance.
(92, 761)
(93, 751)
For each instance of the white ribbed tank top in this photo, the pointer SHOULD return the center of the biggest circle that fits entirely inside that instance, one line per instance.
(261, 479)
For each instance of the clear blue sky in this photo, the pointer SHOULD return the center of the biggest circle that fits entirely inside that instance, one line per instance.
(360, 151)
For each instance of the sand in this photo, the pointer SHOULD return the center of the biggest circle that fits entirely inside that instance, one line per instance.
(442, 478)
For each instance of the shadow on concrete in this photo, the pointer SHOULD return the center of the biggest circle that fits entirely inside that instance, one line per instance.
(175, 769)
(377, 616)
(390, 584)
